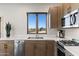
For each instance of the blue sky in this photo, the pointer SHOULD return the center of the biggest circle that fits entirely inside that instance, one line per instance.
(31, 20)
(41, 20)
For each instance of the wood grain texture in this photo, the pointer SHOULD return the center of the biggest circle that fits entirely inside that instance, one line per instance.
(57, 12)
(66, 8)
(40, 48)
(6, 47)
(54, 17)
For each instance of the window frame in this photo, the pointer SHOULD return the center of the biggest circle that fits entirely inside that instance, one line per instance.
(37, 21)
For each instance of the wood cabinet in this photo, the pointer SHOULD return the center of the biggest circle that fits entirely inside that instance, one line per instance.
(60, 16)
(74, 6)
(6, 47)
(53, 17)
(66, 8)
(40, 48)
(29, 47)
(56, 13)
(0, 27)
(51, 48)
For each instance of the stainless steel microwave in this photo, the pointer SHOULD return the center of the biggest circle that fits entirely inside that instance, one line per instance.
(71, 19)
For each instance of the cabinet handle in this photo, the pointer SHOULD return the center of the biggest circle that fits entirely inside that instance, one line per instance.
(5, 46)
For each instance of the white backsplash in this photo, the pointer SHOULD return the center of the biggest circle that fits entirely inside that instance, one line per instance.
(72, 33)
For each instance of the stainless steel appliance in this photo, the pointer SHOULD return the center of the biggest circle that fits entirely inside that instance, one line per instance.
(71, 19)
(19, 47)
(68, 43)
(60, 49)
(62, 43)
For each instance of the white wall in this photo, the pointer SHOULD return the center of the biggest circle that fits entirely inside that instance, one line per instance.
(16, 15)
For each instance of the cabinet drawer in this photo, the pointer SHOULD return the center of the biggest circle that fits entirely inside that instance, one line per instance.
(6, 47)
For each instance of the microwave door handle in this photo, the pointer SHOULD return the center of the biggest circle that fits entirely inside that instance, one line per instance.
(70, 19)
(74, 19)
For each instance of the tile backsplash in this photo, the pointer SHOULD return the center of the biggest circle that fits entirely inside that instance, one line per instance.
(72, 33)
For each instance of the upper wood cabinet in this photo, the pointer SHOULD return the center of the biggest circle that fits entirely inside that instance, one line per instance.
(74, 6)
(53, 17)
(56, 13)
(0, 27)
(60, 16)
(67, 7)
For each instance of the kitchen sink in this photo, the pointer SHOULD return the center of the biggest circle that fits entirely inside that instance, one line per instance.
(35, 38)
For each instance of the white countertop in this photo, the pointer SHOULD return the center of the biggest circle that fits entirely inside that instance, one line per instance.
(16, 38)
(74, 50)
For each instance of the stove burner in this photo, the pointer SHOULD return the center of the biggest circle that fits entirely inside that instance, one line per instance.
(69, 43)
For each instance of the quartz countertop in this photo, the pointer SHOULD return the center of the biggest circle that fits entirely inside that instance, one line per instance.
(23, 38)
(74, 50)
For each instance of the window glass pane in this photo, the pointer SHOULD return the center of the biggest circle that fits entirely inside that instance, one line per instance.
(42, 23)
(31, 23)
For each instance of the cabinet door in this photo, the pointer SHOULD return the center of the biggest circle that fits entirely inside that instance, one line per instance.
(6, 47)
(53, 17)
(56, 13)
(66, 8)
(40, 48)
(51, 48)
(35, 48)
(29, 47)
(74, 6)
(0, 27)
(60, 16)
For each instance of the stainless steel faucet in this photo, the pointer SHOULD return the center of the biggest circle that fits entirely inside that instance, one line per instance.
(37, 35)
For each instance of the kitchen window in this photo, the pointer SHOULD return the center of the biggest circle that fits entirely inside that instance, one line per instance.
(37, 23)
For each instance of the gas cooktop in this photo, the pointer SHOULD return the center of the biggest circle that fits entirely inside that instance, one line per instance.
(69, 43)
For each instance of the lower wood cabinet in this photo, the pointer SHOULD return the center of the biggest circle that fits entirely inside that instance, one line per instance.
(6, 47)
(51, 48)
(40, 48)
